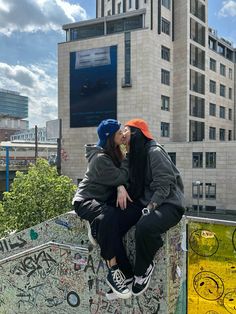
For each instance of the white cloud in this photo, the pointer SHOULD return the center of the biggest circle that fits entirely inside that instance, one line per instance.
(38, 15)
(228, 9)
(35, 82)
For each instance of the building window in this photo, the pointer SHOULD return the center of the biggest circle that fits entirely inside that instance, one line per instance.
(210, 190)
(222, 90)
(230, 135)
(197, 159)
(166, 3)
(221, 49)
(133, 23)
(229, 54)
(165, 53)
(173, 157)
(212, 133)
(122, 25)
(230, 93)
(197, 106)
(127, 80)
(230, 74)
(213, 64)
(116, 26)
(198, 9)
(165, 129)
(210, 160)
(196, 131)
(212, 109)
(87, 31)
(222, 69)
(230, 114)
(222, 112)
(197, 57)
(197, 32)
(210, 208)
(197, 82)
(165, 77)
(119, 8)
(197, 190)
(130, 4)
(222, 135)
(212, 44)
(212, 87)
(195, 207)
(165, 103)
(165, 26)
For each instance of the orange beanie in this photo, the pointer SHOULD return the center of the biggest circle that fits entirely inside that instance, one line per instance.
(142, 125)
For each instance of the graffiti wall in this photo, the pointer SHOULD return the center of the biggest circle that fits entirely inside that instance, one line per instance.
(52, 268)
(211, 268)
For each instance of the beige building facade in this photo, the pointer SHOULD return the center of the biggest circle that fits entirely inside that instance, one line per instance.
(171, 70)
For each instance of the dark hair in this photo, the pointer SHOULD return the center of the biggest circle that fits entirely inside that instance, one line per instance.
(137, 162)
(113, 150)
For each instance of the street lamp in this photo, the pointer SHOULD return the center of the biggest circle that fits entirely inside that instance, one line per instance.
(198, 183)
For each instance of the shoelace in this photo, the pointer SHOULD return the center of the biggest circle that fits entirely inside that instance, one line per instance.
(119, 278)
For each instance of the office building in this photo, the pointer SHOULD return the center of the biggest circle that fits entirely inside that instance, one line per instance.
(160, 61)
(13, 109)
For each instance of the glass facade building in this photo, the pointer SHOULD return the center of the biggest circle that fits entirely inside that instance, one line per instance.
(12, 104)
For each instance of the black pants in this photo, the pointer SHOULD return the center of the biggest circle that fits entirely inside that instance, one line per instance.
(148, 234)
(109, 224)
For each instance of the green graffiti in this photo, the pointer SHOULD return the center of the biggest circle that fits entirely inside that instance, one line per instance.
(33, 235)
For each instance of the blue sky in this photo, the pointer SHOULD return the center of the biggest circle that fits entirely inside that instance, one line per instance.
(30, 31)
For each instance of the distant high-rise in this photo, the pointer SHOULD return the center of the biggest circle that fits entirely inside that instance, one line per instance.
(13, 105)
(13, 108)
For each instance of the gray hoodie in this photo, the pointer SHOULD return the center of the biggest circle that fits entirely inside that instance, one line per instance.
(102, 176)
(163, 183)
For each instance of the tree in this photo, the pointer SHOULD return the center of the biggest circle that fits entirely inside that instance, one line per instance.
(34, 197)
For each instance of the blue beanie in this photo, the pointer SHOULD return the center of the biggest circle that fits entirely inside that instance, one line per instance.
(105, 129)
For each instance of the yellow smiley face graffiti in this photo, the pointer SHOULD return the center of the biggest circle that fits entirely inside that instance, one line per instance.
(230, 301)
(204, 242)
(208, 285)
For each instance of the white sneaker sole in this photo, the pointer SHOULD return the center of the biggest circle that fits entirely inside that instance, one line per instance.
(118, 294)
(91, 238)
(111, 296)
(147, 285)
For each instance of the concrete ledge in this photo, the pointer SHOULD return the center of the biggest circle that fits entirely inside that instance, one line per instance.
(53, 268)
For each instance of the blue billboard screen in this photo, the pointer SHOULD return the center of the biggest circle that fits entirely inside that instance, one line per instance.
(93, 86)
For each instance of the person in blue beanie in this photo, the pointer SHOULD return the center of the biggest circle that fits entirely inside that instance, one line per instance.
(96, 202)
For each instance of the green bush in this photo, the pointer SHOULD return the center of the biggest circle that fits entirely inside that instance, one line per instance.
(34, 197)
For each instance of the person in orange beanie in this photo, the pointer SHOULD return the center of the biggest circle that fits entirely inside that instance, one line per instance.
(156, 183)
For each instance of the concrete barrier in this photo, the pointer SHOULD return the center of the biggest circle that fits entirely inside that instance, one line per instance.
(52, 268)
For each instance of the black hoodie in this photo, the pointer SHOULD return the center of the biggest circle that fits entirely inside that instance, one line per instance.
(163, 182)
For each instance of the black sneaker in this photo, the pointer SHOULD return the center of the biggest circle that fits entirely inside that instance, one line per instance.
(116, 281)
(90, 236)
(141, 283)
(110, 295)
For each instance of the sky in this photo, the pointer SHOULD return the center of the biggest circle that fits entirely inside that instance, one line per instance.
(30, 31)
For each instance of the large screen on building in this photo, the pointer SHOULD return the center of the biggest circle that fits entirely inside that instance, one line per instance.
(93, 86)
